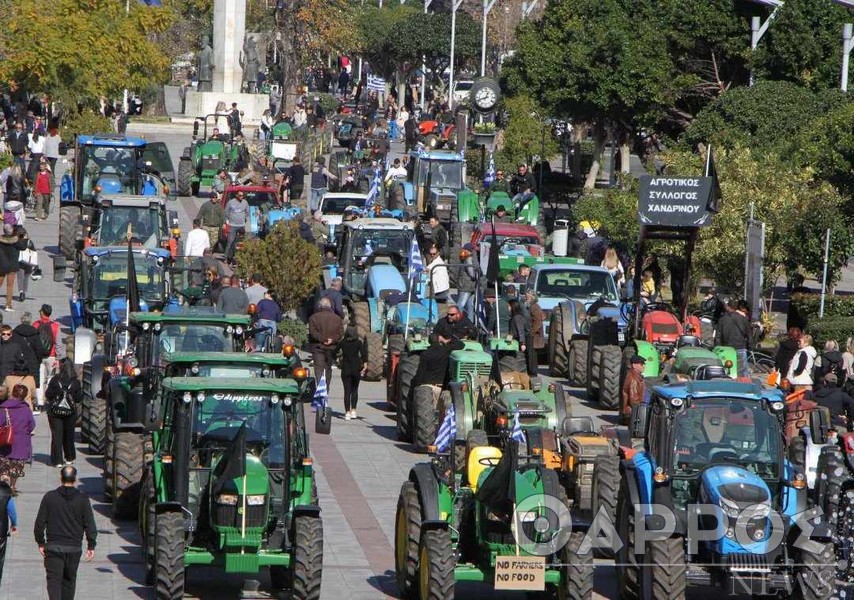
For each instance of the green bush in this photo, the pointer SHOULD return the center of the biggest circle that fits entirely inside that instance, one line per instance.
(294, 328)
(807, 305)
(86, 122)
(831, 328)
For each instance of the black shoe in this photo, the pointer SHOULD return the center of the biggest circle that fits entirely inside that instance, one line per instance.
(21, 297)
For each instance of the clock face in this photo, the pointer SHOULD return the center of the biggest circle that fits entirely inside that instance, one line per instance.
(485, 98)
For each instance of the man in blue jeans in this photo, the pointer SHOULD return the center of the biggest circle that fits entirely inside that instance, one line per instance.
(320, 177)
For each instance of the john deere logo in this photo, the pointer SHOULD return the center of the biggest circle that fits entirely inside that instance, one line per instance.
(239, 397)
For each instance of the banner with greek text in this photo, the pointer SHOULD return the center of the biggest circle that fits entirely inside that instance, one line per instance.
(679, 202)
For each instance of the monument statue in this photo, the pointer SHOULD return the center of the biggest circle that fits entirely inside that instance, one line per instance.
(250, 63)
(205, 67)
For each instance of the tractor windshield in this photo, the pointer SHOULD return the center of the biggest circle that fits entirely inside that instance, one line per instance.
(336, 206)
(144, 222)
(263, 200)
(195, 337)
(217, 419)
(114, 170)
(109, 277)
(393, 243)
(443, 174)
(571, 283)
(728, 431)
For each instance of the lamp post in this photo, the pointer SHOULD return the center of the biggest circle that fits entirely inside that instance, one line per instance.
(455, 6)
(487, 6)
(427, 4)
(528, 8)
(847, 45)
(758, 28)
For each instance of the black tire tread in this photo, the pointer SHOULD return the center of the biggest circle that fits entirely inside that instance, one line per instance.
(610, 364)
(407, 573)
(559, 356)
(816, 574)
(169, 556)
(362, 318)
(406, 370)
(128, 457)
(69, 220)
(308, 557)
(423, 422)
(440, 565)
(578, 572)
(579, 366)
(374, 346)
(184, 181)
(668, 568)
(96, 418)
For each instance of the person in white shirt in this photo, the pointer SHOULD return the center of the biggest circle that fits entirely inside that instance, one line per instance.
(396, 172)
(198, 240)
(437, 273)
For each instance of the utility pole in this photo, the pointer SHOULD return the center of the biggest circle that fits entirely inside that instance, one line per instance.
(427, 4)
(758, 29)
(125, 94)
(455, 6)
(487, 6)
(528, 7)
(847, 45)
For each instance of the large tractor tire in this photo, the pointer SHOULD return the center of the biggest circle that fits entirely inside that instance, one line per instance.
(69, 224)
(559, 365)
(423, 418)
(86, 403)
(628, 570)
(578, 356)
(169, 556)
(668, 568)
(94, 417)
(109, 460)
(606, 485)
(146, 519)
(374, 346)
(436, 566)
(128, 464)
(308, 557)
(830, 477)
(610, 364)
(407, 535)
(395, 344)
(576, 582)
(362, 318)
(406, 370)
(185, 178)
(815, 573)
(843, 524)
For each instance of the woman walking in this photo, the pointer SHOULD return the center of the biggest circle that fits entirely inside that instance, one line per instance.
(63, 395)
(10, 251)
(354, 363)
(13, 458)
(27, 261)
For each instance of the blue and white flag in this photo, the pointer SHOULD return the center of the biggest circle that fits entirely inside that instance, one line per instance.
(416, 264)
(517, 435)
(489, 176)
(376, 84)
(321, 395)
(447, 430)
(374, 193)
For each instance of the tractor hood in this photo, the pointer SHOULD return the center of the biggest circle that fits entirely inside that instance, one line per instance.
(416, 313)
(211, 148)
(226, 502)
(735, 489)
(118, 308)
(385, 278)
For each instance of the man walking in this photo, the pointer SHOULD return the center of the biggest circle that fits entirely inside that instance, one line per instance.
(734, 330)
(320, 177)
(212, 217)
(325, 330)
(236, 215)
(198, 240)
(8, 518)
(64, 516)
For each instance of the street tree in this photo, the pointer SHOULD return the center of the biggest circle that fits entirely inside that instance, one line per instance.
(527, 133)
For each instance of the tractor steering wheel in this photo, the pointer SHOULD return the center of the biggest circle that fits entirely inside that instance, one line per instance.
(653, 306)
(489, 461)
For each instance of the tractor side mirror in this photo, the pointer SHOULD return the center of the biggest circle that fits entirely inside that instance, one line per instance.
(819, 425)
(637, 425)
(59, 267)
(195, 129)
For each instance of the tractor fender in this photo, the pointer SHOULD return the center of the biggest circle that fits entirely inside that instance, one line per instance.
(376, 323)
(728, 353)
(311, 510)
(66, 188)
(647, 351)
(408, 192)
(428, 491)
(465, 419)
(84, 345)
(167, 507)
(98, 363)
(628, 472)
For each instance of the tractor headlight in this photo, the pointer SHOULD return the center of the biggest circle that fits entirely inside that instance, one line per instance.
(158, 327)
(229, 330)
(195, 369)
(677, 402)
(227, 499)
(239, 330)
(132, 362)
(256, 500)
(288, 400)
(188, 397)
(265, 372)
(729, 507)
(274, 399)
(160, 261)
(146, 326)
(200, 397)
(777, 406)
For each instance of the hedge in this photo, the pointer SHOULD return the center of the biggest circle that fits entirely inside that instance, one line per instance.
(807, 305)
(838, 328)
(294, 328)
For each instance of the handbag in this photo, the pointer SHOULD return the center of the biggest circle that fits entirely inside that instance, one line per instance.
(28, 258)
(6, 433)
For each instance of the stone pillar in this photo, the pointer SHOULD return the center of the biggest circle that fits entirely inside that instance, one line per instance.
(229, 26)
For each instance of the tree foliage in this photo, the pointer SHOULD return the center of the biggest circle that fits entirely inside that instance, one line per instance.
(287, 263)
(827, 145)
(527, 133)
(86, 122)
(82, 49)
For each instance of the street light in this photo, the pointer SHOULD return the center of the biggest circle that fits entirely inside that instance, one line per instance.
(455, 6)
(427, 4)
(847, 45)
(487, 6)
(758, 28)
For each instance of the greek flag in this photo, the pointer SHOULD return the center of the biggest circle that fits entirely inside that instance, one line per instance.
(321, 395)
(447, 430)
(374, 194)
(416, 265)
(376, 84)
(489, 176)
(517, 435)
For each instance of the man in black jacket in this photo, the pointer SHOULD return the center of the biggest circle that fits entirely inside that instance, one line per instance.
(836, 400)
(64, 515)
(734, 330)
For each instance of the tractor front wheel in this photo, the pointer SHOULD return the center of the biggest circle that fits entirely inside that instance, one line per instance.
(407, 533)
(406, 370)
(169, 556)
(578, 350)
(436, 566)
(816, 573)
(128, 462)
(308, 557)
(606, 485)
(576, 582)
(146, 524)
(185, 178)
(628, 570)
(86, 403)
(362, 318)
(374, 347)
(69, 223)
(559, 364)
(610, 364)
(95, 420)
(667, 571)
(423, 422)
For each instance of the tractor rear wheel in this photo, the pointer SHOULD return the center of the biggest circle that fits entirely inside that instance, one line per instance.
(308, 557)
(610, 364)
(628, 570)
(577, 571)
(128, 463)
(606, 485)
(86, 403)
(374, 346)
(667, 570)
(558, 359)
(578, 351)
(843, 524)
(146, 524)
(831, 475)
(423, 417)
(362, 318)
(69, 223)
(185, 178)
(406, 370)
(816, 573)
(169, 556)
(109, 461)
(436, 566)
(96, 421)
(407, 534)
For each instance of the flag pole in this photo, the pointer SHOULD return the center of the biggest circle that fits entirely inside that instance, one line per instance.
(497, 298)
(243, 515)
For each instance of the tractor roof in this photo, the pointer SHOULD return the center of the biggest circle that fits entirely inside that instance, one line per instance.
(192, 316)
(135, 201)
(250, 188)
(567, 266)
(380, 223)
(508, 230)
(717, 388)
(229, 384)
(102, 251)
(111, 140)
(245, 358)
(446, 155)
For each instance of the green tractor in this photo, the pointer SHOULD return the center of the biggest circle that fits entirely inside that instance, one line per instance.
(205, 157)
(232, 486)
(503, 520)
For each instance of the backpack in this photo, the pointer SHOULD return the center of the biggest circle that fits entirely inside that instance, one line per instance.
(46, 339)
(65, 406)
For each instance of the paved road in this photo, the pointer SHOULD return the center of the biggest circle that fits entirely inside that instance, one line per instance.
(359, 467)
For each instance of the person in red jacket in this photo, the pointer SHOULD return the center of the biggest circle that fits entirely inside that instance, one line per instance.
(43, 190)
(49, 335)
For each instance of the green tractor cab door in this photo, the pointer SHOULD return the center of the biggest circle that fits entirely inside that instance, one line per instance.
(157, 153)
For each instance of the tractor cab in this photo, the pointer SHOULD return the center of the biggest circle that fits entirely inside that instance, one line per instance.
(282, 147)
(252, 365)
(366, 244)
(186, 330)
(435, 183)
(206, 155)
(150, 224)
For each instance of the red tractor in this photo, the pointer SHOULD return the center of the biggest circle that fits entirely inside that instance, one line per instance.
(435, 134)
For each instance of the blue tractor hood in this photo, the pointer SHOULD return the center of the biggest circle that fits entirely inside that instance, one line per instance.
(118, 308)
(383, 277)
(611, 312)
(110, 185)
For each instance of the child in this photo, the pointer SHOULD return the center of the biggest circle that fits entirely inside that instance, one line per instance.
(647, 286)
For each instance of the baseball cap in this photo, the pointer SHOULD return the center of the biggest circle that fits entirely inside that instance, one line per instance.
(637, 360)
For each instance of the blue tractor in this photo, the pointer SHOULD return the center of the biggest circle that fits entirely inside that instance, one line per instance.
(109, 164)
(712, 499)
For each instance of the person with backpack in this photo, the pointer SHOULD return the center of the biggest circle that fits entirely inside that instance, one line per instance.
(52, 348)
(33, 354)
(16, 358)
(64, 394)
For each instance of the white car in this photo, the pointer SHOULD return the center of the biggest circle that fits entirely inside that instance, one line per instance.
(334, 204)
(461, 91)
